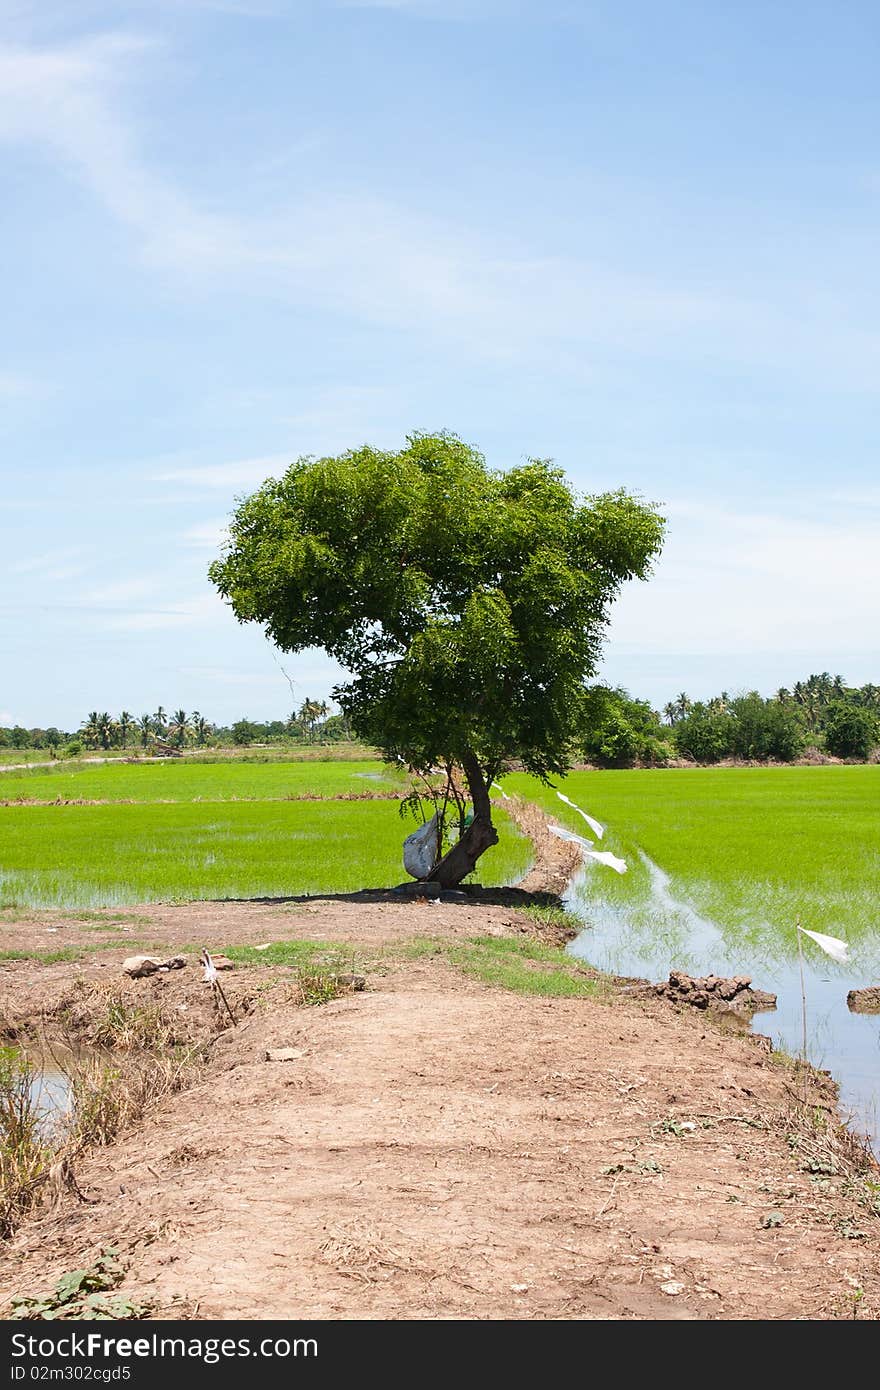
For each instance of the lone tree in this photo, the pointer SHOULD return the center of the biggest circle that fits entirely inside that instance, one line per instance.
(468, 604)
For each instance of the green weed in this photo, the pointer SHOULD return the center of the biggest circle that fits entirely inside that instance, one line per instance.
(83, 1294)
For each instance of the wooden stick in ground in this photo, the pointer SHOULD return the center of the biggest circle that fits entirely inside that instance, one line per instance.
(803, 1006)
(211, 975)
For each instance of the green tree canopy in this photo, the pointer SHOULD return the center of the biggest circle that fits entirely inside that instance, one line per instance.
(469, 604)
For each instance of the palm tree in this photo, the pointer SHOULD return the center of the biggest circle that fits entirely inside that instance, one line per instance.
(783, 696)
(106, 728)
(145, 724)
(200, 727)
(309, 714)
(683, 705)
(159, 720)
(178, 725)
(125, 722)
(90, 728)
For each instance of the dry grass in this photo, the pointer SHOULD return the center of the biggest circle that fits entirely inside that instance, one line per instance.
(109, 1095)
(361, 1252)
(26, 1151)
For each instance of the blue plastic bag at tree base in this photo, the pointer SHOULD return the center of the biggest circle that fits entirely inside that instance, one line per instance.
(421, 849)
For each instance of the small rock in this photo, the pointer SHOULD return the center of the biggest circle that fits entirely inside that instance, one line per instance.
(672, 1287)
(352, 981)
(864, 1001)
(138, 966)
(771, 1220)
(222, 963)
(283, 1054)
(519, 1288)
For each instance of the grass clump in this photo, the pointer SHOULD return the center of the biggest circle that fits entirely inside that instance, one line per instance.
(525, 967)
(109, 1095)
(519, 964)
(298, 953)
(315, 987)
(318, 967)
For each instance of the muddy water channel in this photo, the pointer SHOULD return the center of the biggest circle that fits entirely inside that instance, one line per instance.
(51, 1095)
(658, 931)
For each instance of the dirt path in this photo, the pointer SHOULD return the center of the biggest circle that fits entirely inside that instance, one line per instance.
(442, 1148)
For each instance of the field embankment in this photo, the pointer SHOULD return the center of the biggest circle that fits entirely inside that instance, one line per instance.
(485, 1130)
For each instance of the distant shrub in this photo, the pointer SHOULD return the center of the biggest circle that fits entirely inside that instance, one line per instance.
(705, 735)
(620, 731)
(766, 729)
(74, 748)
(850, 730)
(244, 732)
(656, 752)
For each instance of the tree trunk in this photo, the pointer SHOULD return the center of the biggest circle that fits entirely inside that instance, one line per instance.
(479, 836)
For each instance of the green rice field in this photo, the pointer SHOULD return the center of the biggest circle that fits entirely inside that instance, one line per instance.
(750, 848)
(174, 831)
(174, 780)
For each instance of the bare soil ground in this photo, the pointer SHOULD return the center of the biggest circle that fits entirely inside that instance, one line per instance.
(442, 1148)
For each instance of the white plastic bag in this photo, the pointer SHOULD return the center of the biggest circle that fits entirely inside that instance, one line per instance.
(420, 849)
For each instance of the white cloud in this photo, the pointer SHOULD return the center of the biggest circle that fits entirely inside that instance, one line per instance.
(14, 385)
(199, 611)
(243, 473)
(359, 253)
(206, 535)
(121, 591)
(61, 563)
(216, 675)
(755, 582)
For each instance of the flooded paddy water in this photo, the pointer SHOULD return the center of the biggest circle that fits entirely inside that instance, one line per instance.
(654, 930)
(719, 866)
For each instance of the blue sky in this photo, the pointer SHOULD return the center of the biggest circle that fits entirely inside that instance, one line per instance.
(638, 238)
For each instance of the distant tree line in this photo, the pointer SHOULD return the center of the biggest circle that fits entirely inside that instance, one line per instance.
(821, 712)
(101, 731)
(618, 730)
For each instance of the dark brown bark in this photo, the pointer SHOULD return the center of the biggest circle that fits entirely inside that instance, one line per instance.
(479, 836)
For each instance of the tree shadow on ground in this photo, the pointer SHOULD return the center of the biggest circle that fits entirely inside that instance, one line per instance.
(471, 893)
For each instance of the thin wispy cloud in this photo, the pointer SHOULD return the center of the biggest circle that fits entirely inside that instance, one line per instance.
(241, 473)
(206, 535)
(759, 582)
(370, 257)
(15, 385)
(49, 563)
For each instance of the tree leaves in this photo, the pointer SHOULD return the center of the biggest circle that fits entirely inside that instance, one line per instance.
(469, 604)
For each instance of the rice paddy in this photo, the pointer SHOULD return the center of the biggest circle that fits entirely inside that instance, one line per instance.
(176, 832)
(174, 780)
(721, 863)
(750, 848)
